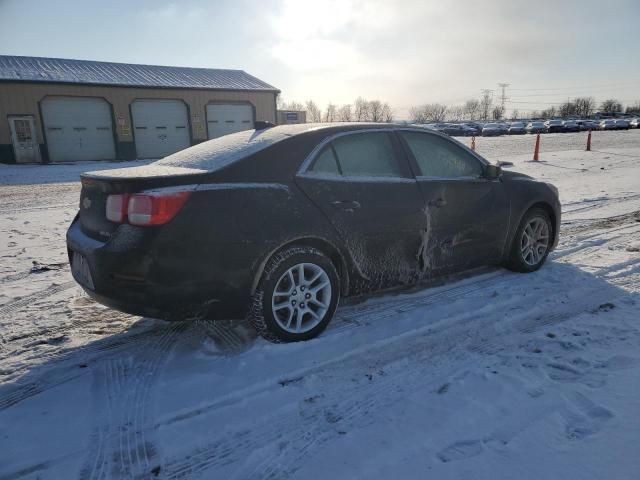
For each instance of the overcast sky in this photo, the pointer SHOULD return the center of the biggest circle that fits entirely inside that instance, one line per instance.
(405, 52)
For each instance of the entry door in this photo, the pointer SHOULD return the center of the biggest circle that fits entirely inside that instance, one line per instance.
(23, 137)
(359, 183)
(161, 127)
(468, 214)
(223, 119)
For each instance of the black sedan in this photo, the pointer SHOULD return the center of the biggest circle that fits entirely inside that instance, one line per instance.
(277, 224)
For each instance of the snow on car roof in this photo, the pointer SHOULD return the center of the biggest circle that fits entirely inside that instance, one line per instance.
(213, 154)
(220, 152)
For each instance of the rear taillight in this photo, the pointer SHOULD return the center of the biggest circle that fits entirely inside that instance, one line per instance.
(146, 209)
(117, 207)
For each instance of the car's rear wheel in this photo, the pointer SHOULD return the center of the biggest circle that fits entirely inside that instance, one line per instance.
(531, 243)
(296, 297)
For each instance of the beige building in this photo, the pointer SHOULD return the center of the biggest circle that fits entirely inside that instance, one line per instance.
(56, 110)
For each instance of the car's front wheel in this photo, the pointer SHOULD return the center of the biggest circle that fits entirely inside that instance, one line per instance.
(296, 297)
(531, 243)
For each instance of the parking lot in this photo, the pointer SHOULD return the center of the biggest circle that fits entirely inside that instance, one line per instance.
(482, 367)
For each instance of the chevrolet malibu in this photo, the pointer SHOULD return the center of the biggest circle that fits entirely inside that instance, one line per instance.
(277, 224)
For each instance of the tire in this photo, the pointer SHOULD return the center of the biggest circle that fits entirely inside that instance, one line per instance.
(314, 307)
(522, 259)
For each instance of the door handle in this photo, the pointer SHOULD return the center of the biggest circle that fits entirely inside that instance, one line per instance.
(346, 204)
(440, 202)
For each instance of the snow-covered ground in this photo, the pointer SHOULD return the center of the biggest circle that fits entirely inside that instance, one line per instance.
(495, 375)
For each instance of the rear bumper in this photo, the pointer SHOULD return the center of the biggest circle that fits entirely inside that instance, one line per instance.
(129, 277)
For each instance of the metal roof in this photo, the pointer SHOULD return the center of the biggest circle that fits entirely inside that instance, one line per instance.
(59, 70)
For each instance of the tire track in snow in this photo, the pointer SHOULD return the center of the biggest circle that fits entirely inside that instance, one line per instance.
(9, 308)
(120, 446)
(384, 310)
(278, 448)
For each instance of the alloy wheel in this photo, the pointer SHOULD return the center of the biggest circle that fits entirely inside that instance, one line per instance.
(301, 298)
(534, 242)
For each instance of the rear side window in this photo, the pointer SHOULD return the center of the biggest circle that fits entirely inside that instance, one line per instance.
(326, 162)
(366, 154)
(439, 157)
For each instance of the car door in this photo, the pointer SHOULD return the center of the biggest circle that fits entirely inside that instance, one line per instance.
(362, 183)
(468, 213)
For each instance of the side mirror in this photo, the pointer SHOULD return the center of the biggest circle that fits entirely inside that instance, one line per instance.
(505, 164)
(493, 171)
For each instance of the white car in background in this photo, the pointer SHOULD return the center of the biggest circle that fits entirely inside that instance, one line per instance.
(634, 123)
(608, 124)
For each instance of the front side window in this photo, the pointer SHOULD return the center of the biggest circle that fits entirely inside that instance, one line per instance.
(439, 157)
(366, 154)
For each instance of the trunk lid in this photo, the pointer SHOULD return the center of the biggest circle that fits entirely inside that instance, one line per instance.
(97, 186)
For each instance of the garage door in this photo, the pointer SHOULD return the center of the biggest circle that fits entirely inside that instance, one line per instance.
(161, 127)
(223, 119)
(78, 128)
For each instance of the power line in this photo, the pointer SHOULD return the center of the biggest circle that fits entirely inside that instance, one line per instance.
(602, 85)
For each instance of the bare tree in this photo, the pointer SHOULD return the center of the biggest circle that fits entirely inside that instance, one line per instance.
(387, 113)
(634, 108)
(611, 106)
(456, 113)
(314, 114)
(471, 109)
(431, 112)
(417, 115)
(331, 113)
(585, 106)
(361, 110)
(345, 114)
(485, 104)
(375, 111)
(497, 112)
(515, 114)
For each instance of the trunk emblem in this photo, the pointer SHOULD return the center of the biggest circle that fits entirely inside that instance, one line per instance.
(86, 203)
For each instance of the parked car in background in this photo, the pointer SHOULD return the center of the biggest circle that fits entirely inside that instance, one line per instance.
(622, 124)
(475, 127)
(608, 124)
(571, 126)
(554, 126)
(457, 130)
(587, 124)
(438, 127)
(634, 122)
(276, 225)
(491, 130)
(504, 127)
(536, 127)
(517, 128)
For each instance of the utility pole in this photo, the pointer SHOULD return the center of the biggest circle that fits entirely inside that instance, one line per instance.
(503, 95)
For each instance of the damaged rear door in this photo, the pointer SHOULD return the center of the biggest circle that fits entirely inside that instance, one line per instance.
(362, 183)
(467, 213)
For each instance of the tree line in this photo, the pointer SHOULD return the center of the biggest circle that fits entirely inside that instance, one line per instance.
(485, 109)
(362, 110)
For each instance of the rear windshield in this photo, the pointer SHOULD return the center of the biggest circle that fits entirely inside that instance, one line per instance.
(218, 153)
